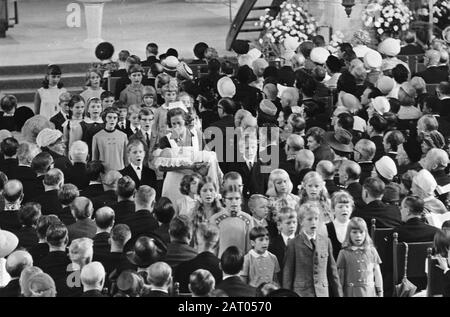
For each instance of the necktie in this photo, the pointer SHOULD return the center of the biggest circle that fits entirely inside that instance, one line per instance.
(148, 140)
(287, 242)
(313, 244)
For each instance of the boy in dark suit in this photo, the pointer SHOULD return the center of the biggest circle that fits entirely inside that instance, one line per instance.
(144, 134)
(232, 262)
(311, 252)
(137, 169)
(123, 124)
(63, 115)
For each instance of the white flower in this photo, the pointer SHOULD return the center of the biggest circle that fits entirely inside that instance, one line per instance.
(377, 24)
(380, 31)
(386, 24)
(395, 28)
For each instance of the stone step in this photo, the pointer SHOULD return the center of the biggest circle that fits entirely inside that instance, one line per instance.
(41, 69)
(34, 81)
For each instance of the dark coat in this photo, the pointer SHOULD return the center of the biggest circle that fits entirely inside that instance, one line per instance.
(27, 237)
(235, 287)
(415, 230)
(66, 216)
(378, 140)
(337, 246)
(208, 118)
(323, 152)
(141, 223)
(331, 186)
(101, 246)
(177, 253)
(156, 293)
(7, 166)
(289, 167)
(123, 209)
(31, 184)
(85, 228)
(411, 49)
(39, 251)
(163, 232)
(366, 171)
(278, 248)
(224, 123)
(92, 191)
(148, 176)
(50, 203)
(355, 190)
(434, 75)
(108, 198)
(93, 293)
(58, 120)
(206, 261)
(77, 175)
(9, 220)
(55, 264)
(11, 290)
(387, 216)
(62, 162)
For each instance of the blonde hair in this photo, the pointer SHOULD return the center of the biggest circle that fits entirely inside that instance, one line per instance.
(88, 76)
(274, 176)
(88, 104)
(324, 200)
(306, 209)
(341, 197)
(357, 223)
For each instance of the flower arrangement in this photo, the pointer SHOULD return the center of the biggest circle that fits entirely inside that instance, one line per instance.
(387, 16)
(292, 20)
(441, 13)
(336, 39)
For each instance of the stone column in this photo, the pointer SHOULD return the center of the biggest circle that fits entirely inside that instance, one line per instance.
(331, 13)
(93, 11)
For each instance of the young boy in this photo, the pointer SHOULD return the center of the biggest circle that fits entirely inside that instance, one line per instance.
(260, 266)
(8, 104)
(123, 123)
(133, 118)
(133, 93)
(107, 99)
(63, 114)
(145, 118)
(170, 94)
(138, 169)
(234, 225)
(258, 205)
(310, 269)
(109, 144)
(286, 220)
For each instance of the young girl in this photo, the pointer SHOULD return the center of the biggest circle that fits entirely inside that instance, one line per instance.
(92, 122)
(170, 94)
(358, 263)
(72, 127)
(342, 206)
(188, 101)
(149, 98)
(207, 205)
(279, 189)
(189, 189)
(314, 191)
(93, 82)
(46, 99)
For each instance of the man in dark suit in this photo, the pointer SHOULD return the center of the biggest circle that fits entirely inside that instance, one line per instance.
(142, 222)
(9, 148)
(104, 220)
(178, 250)
(125, 206)
(123, 124)
(77, 173)
(226, 109)
(364, 154)
(138, 168)
(15, 264)
(116, 259)
(29, 215)
(13, 195)
(349, 173)
(411, 47)
(232, 262)
(376, 127)
(207, 239)
(49, 201)
(84, 227)
(160, 279)
(55, 263)
(387, 216)
(433, 74)
(40, 164)
(93, 278)
(24, 173)
(152, 53)
(294, 144)
(414, 229)
(63, 115)
(109, 196)
(95, 170)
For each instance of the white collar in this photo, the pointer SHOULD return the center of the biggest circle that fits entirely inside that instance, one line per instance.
(285, 237)
(262, 222)
(257, 255)
(135, 167)
(310, 237)
(154, 288)
(149, 132)
(89, 120)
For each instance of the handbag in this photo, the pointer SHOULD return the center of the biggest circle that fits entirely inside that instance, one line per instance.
(405, 288)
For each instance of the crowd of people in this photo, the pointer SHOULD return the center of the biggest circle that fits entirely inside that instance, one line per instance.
(320, 145)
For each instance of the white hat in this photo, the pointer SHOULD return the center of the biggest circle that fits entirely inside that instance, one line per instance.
(291, 43)
(254, 53)
(170, 63)
(425, 180)
(226, 87)
(386, 167)
(185, 71)
(373, 59)
(385, 84)
(381, 105)
(268, 107)
(8, 243)
(47, 137)
(390, 47)
(319, 55)
(245, 59)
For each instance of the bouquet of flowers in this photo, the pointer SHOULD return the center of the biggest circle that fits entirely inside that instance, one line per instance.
(387, 16)
(292, 20)
(441, 13)
(336, 39)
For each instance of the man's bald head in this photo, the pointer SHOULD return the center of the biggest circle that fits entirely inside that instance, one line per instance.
(304, 160)
(433, 56)
(349, 171)
(13, 191)
(81, 208)
(110, 180)
(93, 276)
(326, 169)
(17, 262)
(54, 178)
(104, 218)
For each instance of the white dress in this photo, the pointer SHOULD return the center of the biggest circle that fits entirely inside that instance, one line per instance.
(50, 101)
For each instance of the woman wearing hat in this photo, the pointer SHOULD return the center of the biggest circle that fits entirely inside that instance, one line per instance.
(341, 142)
(431, 140)
(52, 142)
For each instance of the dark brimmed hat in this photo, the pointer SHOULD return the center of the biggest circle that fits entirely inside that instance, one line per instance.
(104, 50)
(240, 47)
(145, 252)
(340, 140)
